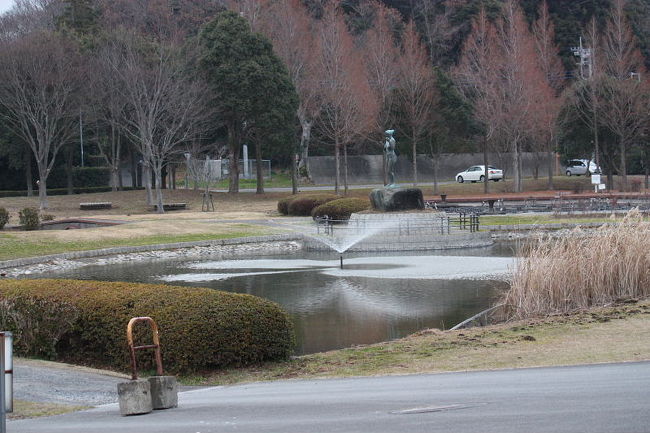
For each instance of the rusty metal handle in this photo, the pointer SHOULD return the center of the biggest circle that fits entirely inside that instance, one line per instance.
(133, 348)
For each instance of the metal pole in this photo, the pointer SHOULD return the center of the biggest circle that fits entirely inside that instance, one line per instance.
(81, 137)
(3, 416)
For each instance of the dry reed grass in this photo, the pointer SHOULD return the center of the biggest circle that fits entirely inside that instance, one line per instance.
(576, 272)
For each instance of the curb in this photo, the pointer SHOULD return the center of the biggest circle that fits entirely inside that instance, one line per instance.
(144, 248)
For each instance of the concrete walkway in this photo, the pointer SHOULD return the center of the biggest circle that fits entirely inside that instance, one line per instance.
(598, 398)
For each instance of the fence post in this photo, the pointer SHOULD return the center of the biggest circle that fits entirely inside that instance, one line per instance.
(3, 416)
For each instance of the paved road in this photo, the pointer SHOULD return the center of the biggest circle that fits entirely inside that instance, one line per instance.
(601, 398)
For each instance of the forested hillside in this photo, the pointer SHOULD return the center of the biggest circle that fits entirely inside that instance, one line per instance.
(153, 84)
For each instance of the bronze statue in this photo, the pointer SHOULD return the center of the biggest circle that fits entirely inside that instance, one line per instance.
(391, 157)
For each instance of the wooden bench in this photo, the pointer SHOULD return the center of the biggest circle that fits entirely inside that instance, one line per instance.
(171, 206)
(95, 206)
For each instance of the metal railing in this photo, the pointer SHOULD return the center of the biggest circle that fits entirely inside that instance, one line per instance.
(6, 378)
(443, 225)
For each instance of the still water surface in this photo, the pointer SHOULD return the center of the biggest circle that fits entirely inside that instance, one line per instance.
(373, 298)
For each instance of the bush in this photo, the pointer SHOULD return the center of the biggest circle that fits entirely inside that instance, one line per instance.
(303, 205)
(199, 328)
(4, 217)
(29, 218)
(47, 217)
(283, 204)
(341, 209)
(37, 323)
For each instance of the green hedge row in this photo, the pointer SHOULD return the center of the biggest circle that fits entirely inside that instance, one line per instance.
(303, 204)
(341, 209)
(200, 329)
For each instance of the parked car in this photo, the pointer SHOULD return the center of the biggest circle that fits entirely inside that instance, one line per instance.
(578, 167)
(476, 173)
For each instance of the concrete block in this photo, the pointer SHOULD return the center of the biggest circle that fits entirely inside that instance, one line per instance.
(164, 392)
(134, 397)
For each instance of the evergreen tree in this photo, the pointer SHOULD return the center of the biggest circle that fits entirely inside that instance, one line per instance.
(252, 89)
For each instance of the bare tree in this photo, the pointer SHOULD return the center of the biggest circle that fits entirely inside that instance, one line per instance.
(548, 103)
(381, 56)
(348, 105)
(477, 74)
(39, 80)
(107, 109)
(519, 75)
(625, 92)
(417, 89)
(165, 107)
(288, 25)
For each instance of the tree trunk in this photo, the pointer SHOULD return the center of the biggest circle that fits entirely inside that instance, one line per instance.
(68, 170)
(415, 159)
(134, 169)
(235, 146)
(294, 174)
(146, 179)
(486, 164)
(258, 167)
(115, 171)
(42, 186)
(305, 137)
(29, 177)
(515, 166)
(337, 163)
(345, 168)
(434, 169)
(623, 166)
(550, 161)
(159, 196)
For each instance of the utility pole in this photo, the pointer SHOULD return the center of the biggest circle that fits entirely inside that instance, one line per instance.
(81, 137)
(587, 60)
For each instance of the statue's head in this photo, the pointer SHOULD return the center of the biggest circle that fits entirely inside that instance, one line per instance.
(389, 132)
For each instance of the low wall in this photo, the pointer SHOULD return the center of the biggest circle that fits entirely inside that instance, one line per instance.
(368, 168)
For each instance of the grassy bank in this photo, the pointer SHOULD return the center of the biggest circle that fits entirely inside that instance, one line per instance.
(609, 334)
(16, 245)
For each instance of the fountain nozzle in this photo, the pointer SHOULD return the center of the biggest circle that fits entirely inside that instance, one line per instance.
(341, 261)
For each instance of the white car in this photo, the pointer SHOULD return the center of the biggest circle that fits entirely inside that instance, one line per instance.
(577, 167)
(476, 173)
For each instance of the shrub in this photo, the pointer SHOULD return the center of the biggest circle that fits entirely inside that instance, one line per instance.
(47, 217)
(4, 217)
(199, 328)
(29, 218)
(303, 205)
(341, 209)
(37, 323)
(283, 204)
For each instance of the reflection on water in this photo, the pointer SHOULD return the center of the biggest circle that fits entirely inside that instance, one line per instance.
(374, 298)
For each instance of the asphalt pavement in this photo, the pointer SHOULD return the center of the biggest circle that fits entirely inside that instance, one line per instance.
(596, 398)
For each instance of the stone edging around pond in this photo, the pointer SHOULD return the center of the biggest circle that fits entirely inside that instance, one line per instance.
(150, 248)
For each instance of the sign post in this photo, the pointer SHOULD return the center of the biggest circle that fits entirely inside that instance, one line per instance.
(595, 181)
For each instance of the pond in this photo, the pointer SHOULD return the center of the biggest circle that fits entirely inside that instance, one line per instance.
(373, 298)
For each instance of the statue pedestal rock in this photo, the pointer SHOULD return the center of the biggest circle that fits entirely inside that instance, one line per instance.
(396, 199)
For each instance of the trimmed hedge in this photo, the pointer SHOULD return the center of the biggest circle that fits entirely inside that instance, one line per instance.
(341, 209)
(200, 328)
(303, 205)
(4, 217)
(283, 204)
